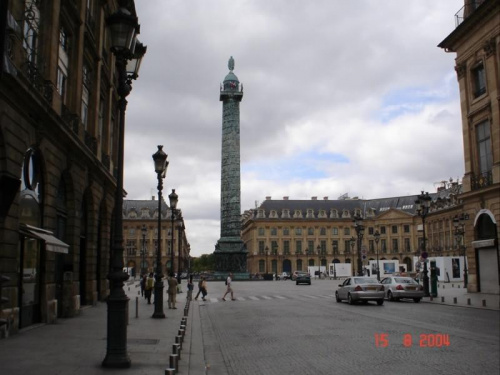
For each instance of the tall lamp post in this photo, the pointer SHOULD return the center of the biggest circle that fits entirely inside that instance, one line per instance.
(319, 261)
(334, 254)
(267, 254)
(377, 239)
(161, 164)
(458, 223)
(423, 204)
(144, 231)
(173, 198)
(360, 230)
(123, 28)
(179, 247)
(352, 241)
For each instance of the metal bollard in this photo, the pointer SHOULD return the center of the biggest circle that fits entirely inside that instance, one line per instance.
(178, 340)
(176, 349)
(431, 298)
(468, 301)
(185, 312)
(455, 300)
(183, 326)
(442, 299)
(484, 303)
(174, 361)
(181, 334)
(170, 371)
(136, 307)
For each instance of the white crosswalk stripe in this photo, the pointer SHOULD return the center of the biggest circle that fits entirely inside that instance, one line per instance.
(213, 300)
(254, 298)
(280, 297)
(266, 297)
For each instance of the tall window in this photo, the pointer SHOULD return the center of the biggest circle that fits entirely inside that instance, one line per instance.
(62, 65)
(286, 231)
(394, 229)
(310, 231)
(286, 247)
(298, 231)
(298, 247)
(335, 245)
(335, 231)
(407, 245)
(383, 246)
(382, 230)
(261, 231)
(323, 247)
(100, 124)
(485, 155)
(31, 29)
(85, 96)
(479, 80)
(274, 247)
(347, 231)
(261, 247)
(395, 245)
(347, 246)
(310, 246)
(274, 232)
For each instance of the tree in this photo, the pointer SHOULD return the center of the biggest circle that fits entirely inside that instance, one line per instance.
(204, 263)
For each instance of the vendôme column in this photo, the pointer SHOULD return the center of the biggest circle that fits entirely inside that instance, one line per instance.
(230, 252)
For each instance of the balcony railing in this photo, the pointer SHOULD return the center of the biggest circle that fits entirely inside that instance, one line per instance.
(466, 11)
(481, 181)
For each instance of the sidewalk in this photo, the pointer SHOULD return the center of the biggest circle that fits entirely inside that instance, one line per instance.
(78, 345)
(456, 295)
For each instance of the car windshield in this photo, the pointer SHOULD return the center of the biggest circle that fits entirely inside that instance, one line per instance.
(405, 280)
(365, 280)
(301, 273)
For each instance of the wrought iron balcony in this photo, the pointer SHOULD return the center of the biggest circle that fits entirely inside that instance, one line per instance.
(481, 181)
(466, 11)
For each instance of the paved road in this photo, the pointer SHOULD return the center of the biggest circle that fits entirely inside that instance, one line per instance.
(282, 328)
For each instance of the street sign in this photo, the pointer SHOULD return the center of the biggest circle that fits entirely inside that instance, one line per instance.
(363, 256)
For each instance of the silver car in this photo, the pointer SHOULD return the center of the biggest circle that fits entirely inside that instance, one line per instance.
(397, 287)
(359, 288)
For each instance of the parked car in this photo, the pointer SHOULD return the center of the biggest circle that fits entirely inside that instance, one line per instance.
(397, 287)
(284, 276)
(302, 278)
(359, 288)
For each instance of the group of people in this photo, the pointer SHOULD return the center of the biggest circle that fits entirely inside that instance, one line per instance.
(148, 281)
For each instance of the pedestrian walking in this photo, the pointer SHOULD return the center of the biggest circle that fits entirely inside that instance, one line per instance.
(150, 282)
(200, 282)
(229, 289)
(172, 291)
(204, 290)
(190, 287)
(143, 284)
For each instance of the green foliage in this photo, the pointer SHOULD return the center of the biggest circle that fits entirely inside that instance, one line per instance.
(204, 263)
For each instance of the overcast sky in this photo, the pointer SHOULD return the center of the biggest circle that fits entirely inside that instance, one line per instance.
(339, 97)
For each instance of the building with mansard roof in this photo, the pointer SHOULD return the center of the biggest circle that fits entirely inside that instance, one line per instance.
(288, 235)
(140, 233)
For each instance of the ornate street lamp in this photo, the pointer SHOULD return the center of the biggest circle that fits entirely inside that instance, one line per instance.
(458, 223)
(123, 28)
(161, 165)
(179, 246)
(423, 204)
(173, 198)
(144, 231)
(360, 230)
(377, 239)
(319, 261)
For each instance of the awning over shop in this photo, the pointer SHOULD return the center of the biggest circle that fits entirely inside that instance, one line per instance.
(51, 243)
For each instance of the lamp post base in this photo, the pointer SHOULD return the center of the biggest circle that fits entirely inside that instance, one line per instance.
(158, 313)
(116, 349)
(426, 282)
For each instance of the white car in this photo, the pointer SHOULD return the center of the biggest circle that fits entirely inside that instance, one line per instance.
(359, 288)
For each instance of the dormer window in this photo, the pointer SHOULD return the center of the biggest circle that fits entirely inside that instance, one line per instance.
(285, 214)
(273, 215)
(334, 214)
(145, 213)
(261, 214)
(310, 214)
(346, 213)
(322, 214)
(297, 214)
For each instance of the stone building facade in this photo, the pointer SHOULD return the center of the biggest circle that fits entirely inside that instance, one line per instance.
(288, 235)
(58, 142)
(141, 245)
(476, 42)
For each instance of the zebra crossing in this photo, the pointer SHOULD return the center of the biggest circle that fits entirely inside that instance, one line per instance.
(272, 297)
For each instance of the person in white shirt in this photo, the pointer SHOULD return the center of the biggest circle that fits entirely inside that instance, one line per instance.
(229, 289)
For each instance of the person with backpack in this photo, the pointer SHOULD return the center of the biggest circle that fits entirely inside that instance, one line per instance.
(150, 282)
(200, 283)
(229, 289)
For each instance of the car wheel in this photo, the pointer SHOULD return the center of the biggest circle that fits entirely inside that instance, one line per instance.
(309, 283)
(349, 299)
(416, 300)
(390, 296)
(297, 283)
(380, 302)
(337, 298)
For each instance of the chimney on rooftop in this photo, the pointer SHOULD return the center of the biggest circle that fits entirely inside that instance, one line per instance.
(325, 198)
(153, 198)
(268, 198)
(314, 198)
(285, 198)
